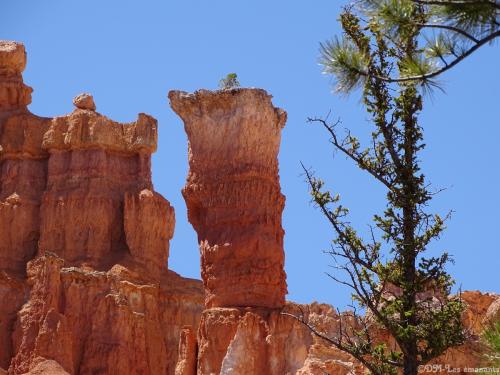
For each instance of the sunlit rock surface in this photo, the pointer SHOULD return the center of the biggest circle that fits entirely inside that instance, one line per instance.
(84, 242)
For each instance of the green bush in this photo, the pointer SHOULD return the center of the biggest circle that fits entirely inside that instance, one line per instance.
(491, 339)
(231, 81)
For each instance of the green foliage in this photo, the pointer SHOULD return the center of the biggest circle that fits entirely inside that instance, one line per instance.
(491, 339)
(229, 82)
(475, 17)
(343, 60)
(453, 29)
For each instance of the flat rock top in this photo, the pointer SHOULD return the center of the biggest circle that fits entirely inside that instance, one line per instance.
(233, 94)
(12, 57)
(221, 103)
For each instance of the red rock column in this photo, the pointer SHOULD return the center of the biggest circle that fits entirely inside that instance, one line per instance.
(23, 163)
(23, 166)
(233, 194)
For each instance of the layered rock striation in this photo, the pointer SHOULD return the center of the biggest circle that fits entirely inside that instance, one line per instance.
(84, 242)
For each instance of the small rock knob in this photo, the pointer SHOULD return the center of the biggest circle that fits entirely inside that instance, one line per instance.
(12, 58)
(84, 101)
(13, 199)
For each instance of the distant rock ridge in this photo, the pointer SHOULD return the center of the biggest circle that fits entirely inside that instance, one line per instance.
(84, 243)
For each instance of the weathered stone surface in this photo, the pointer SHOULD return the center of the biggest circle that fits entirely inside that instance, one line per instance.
(251, 341)
(83, 217)
(47, 367)
(14, 94)
(13, 293)
(247, 351)
(186, 362)
(22, 181)
(149, 225)
(248, 341)
(102, 322)
(233, 194)
(22, 134)
(12, 58)
(22, 163)
(87, 130)
(84, 101)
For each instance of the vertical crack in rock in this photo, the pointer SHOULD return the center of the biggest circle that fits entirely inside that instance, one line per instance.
(186, 362)
(233, 194)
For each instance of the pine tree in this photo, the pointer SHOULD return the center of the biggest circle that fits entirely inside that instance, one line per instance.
(387, 52)
(450, 29)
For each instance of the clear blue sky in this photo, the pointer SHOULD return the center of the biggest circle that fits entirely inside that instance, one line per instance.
(129, 54)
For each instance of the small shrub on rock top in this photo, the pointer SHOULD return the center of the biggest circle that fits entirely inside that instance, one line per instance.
(230, 82)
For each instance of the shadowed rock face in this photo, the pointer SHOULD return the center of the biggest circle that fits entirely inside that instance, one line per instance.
(233, 194)
(84, 242)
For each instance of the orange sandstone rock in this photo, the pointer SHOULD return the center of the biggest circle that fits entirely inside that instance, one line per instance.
(186, 362)
(102, 322)
(84, 101)
(13, 292)
(149, 222)
(83, 217)
(233, 194)
(14, 94)
(79, 213)
(23, 166)
(23, 163)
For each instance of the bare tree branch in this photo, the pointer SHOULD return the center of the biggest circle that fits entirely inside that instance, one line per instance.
(428, 76)
(450, 28)
(345, 151)
(457, 2)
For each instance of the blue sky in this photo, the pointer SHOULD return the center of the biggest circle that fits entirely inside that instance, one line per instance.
(129, 54)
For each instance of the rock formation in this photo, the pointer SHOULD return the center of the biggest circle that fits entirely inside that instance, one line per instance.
(84, 245)
(23, 165)
(233, 194)
(84, 242)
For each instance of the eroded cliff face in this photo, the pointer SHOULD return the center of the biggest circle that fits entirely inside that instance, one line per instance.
(84, 242)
